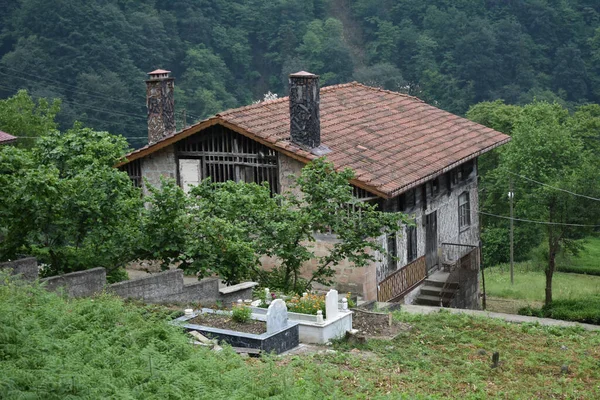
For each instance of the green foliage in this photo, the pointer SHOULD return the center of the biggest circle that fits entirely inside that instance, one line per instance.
(165, 223)
(450, 54)
(65, 203)
(23, 117)
(530, 283)
(54, 348)
(229, 226)
(579, 310)
(309, 304)
(241, 313)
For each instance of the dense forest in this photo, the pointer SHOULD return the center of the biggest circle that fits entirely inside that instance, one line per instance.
(93, 55)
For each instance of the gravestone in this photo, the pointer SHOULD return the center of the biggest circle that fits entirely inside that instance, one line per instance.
(277, 316)
(331, 304)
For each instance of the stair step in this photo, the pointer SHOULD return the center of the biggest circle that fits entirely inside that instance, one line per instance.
(437, 291)
(426, 300)
(441, 284)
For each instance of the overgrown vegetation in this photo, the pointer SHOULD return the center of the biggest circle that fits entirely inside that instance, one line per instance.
(65, 203)
(580, 310)
(452, 54)
(54, 348)
(241, 313)
(229, 226)
(551, 162)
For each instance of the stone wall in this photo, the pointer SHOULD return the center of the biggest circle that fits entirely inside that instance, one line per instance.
(468, 290)
(26, 267)
(78, 284)
(160, 163)
(348, 278)
(151, 289)
(289, 170)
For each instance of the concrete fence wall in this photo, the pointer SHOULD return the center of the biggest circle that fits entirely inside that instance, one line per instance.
(26, 267)
(78, 284)
(165, 287)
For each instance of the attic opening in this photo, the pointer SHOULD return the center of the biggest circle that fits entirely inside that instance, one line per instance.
(224, 155)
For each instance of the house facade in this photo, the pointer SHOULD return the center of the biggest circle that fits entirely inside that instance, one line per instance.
(407, 157)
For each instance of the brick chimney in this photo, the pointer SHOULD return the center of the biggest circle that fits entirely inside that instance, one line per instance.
(160, 101)
(305, 121)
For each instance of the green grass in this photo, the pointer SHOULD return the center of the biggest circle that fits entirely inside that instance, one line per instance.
(530, 285)
(53, 348)
(587, 261)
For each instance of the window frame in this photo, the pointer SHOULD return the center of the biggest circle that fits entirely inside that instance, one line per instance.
(464, 211)
(412, 249)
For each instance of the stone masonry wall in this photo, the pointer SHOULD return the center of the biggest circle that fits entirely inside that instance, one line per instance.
(289, 170)
(161, 163)
(78, 284)
(150, 289)
(26, 267)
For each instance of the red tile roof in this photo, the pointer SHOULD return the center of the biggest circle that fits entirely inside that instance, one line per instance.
(392, 141)
(6, 138)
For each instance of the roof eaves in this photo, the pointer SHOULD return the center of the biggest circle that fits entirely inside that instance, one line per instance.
(447, 168)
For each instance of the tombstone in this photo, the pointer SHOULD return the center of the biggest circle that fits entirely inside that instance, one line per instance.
(331, 304)
(277, 316)
(319, 317)
(345, 304)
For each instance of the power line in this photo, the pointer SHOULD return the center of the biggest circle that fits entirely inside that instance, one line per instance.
(537, 222)
(553, 187)
(61, 85)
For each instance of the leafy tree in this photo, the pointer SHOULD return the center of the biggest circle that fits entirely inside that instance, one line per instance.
(21, 116)
(546, 159)
(65, 203)
(228, 226)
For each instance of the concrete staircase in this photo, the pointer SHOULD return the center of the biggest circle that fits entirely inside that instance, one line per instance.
(436, 289)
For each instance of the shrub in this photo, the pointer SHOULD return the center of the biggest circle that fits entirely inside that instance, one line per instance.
(586, 310)
(241, 313)
(578, 270)
(309, 304)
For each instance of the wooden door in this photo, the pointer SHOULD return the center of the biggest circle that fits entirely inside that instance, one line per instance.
(431, 242)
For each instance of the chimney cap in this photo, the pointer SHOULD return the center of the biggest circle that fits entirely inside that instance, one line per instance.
(303, 74)
(159, 72)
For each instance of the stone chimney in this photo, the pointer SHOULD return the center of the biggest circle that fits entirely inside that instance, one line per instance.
(160, 101)
(305, 121)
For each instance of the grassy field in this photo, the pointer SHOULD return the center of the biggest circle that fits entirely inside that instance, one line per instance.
(530, 285)
(587, 261)
(53, 348)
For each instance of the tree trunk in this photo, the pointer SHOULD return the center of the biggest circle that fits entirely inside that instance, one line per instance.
(552, 249)
(549, 273)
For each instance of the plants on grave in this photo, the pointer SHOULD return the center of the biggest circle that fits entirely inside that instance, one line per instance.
(241, 313)
(224, 228)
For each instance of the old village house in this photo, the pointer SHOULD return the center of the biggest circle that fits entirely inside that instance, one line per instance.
(407, 155)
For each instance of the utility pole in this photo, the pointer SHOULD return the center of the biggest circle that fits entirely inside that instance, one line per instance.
(184, 120)
(511, 195)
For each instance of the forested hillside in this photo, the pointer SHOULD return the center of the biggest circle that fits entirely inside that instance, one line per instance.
(224, 53)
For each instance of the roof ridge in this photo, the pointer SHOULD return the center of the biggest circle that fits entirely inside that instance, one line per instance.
(378, 89)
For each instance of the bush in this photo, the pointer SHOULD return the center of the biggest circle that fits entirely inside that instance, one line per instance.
(241, 313)
(309, 304)
(586, 310)
(578, 270)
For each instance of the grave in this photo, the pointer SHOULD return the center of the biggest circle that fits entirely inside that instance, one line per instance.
(282, 334)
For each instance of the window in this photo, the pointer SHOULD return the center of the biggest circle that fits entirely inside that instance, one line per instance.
(411, 243)
(464, 211)
(407, 200)
(435, 186)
